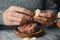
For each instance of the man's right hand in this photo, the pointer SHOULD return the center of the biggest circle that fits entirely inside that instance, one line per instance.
(16, 15)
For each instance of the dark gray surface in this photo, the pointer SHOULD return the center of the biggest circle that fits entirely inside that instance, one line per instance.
(7, 34)
(51, 34)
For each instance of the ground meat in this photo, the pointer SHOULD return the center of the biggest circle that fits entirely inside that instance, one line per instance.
(28, 28)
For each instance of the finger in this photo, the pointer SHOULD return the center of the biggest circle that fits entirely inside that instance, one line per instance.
(43, 14)
(48, 23)
(6, 14)
(51, 12)
(48, 15)
(23, 10)
(9, 23)
(43, 22)
(8, 20)
(19, 15)
(27, 17)
(51, 19)
(14, 19)
(40, 18)
(40, 21)
(14, 23)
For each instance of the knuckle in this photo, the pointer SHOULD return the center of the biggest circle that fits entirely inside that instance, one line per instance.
(12, 7)
(6, 23)
(23, 8)
(5, 11)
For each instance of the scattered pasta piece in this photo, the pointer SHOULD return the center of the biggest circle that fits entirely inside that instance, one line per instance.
(37, 12)
(33, 38)
(58, 15)
(26, 38)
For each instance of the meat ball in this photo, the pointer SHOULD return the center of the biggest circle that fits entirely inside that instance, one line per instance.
(27, 28)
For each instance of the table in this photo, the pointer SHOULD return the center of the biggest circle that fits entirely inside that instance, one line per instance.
(50, 34)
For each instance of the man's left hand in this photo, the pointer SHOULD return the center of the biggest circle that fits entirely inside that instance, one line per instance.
(46, 17)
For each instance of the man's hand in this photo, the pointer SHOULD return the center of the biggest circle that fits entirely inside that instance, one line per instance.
(16, 15)
(45, 17)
